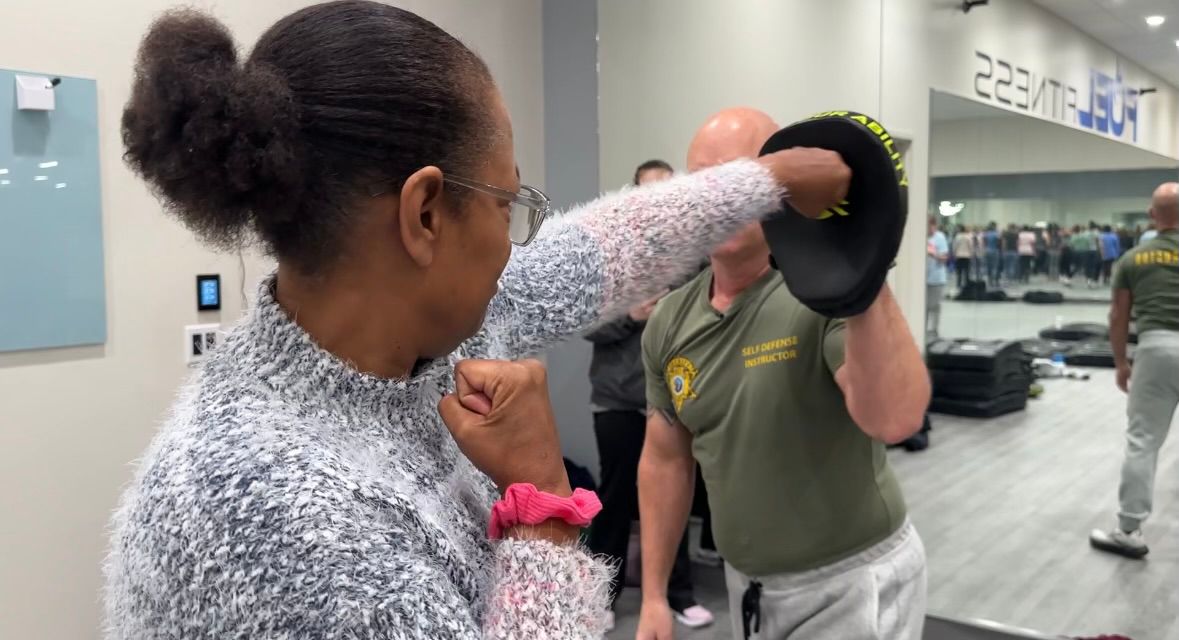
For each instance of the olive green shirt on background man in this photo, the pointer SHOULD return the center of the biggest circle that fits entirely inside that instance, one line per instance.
(1151, 272)
(793, 483)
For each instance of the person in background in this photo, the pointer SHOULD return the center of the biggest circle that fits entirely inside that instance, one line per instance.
(1127, 239)
(963, 255)
(1150, 234)
(1055, 243)
(619, 403)
(992, 255)
(937, 254)
(1145, 286)
(1041, 262)
(1093, 270)
(1011, 253)
(787, 413)
(1079, 243)
(1066, 255)
(979, 264)
(1111, 249)
(1027, 253)
(1084, 251)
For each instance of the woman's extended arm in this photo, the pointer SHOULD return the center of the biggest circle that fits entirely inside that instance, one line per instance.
(597, 260)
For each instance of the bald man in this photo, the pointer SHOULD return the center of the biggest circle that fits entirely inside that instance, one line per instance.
(1146, 283)
(787, 413)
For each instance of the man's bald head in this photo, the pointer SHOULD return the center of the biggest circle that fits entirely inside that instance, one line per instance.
(1164, 206)
(729, 135)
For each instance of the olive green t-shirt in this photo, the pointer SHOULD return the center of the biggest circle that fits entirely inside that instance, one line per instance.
(1151, 272)
(793, 483)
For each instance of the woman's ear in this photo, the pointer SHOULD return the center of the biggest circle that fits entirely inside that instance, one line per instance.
(421, 213)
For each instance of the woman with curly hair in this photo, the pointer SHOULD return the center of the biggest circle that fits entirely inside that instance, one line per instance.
(335, 468)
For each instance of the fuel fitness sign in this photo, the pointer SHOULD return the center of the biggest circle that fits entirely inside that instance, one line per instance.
(1105, 105)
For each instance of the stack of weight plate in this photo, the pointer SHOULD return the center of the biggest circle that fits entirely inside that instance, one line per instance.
(978, 378)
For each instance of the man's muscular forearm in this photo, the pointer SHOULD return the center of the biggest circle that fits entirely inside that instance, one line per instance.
(884, 379)
(667, 477)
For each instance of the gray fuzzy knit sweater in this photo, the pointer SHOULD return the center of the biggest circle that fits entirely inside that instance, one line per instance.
(290, 496)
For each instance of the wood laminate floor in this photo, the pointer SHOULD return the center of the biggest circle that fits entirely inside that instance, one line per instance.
(1005, 507)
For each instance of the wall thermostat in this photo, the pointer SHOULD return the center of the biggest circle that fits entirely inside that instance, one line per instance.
(208, 293)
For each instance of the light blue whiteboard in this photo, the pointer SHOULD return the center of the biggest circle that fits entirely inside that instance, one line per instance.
(51, 269)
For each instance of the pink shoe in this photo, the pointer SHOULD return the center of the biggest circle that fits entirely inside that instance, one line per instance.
(695, 617)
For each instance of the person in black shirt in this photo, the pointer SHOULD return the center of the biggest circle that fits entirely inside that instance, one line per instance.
(619, 403)
(1011, 252)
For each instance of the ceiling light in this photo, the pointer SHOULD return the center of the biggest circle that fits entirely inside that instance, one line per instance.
(1177, 43)
(1155, 21)
(948, 209)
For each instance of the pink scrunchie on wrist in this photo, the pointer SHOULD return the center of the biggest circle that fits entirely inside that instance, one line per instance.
(527, 505)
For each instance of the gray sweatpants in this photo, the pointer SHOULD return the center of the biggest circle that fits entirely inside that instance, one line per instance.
(1154, 394)
(933, 308)
(878, 594)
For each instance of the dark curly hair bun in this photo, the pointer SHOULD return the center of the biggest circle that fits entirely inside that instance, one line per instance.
(218, 141)
(336, 101)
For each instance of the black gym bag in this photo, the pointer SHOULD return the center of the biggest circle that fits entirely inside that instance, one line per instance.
(1043, 297)
(975, 290)
(998, 295)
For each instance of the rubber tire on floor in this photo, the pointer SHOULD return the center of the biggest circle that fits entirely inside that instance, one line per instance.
(1040, 348)
(1076, 331)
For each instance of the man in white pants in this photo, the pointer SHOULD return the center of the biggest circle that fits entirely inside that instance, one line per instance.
(787, 413)
(1147, 282)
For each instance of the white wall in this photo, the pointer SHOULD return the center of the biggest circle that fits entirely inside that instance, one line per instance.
(1017, 144)
(667, 64)
(571, 167)
(72, 420)
(1029, 36)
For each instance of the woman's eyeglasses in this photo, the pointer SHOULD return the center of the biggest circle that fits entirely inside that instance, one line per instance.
(529, 207)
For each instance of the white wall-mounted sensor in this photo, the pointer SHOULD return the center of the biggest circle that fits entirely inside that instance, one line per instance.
(35, 93)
